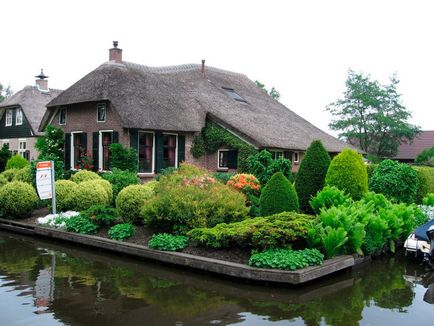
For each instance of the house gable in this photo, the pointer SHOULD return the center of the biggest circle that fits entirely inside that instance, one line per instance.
(14, 131)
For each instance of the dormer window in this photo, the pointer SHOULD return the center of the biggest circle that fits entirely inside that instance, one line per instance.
(19, 117)
(234, 95)
(62, 116)
(101, 112)
(8, 118)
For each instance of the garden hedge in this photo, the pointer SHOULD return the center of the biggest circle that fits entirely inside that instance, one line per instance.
(17, 199)
(64, 200)
(24, 175)
(87, 194)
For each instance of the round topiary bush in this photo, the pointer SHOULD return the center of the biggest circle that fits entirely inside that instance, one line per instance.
(107, 187)
(396, 181)
(18, 199)
(3, 180)
(9, 174)
(87, 194)
(84, 175)
(16, 162)
(64, 200)
(311, 175)
(277, 196)
(24, 175)
(347, 172)
(131, 200)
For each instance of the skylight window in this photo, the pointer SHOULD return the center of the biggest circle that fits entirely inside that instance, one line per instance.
(234, 95)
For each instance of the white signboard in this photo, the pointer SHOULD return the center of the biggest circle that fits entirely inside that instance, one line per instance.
(44, 179)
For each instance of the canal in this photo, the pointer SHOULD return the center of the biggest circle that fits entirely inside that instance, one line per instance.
(50, 283)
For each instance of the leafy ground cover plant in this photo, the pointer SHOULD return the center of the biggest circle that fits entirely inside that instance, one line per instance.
(168, 242)
(328, 197)
(429, 200)
(80, 224)
(273, 231)
(101, 214)
(286, 259)
(122, 232)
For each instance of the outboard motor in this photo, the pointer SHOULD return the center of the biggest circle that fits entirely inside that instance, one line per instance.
(430, 234)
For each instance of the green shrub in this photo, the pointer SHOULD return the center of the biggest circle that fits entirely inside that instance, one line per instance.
(17, 199)
(87, 194)
(347, 172)
(9, 174)
(328, 197)
(426, 157)
(120, 179)
(16, 162)
(64, 191)
(5, 155)
(278, 195)
(223, 176)
(286, 259)
(395, 180)
(131, 200)
(370, 168)
(168, 242)
(429, 200)
(84, 175)
(107, 187)
(263, 166)
(123, 158)
(425, 175)
(122, 232)
(80, 224)
(51, 145)
(3, 180)
(190, 198)
(311, 175)
(273, 231)
(24, 175)
(101, 215)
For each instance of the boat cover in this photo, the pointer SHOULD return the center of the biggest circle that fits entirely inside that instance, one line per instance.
(420, 232)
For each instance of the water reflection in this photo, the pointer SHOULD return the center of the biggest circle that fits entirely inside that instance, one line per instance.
(66, 285)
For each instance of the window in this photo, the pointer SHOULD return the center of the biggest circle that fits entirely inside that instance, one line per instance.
(77, 150)
(169, 150)
(22, 149)
(62, 116)
(106, 141)
(8, 118)
(234, 95)
(227, 159)
(19, 117)
(146, 152)
(101, 112)
(277, 154)
(296, 157)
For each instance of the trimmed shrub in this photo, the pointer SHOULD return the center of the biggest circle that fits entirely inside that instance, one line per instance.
(278, 195)
(24, 175)
(347, 172)
(120, 179)
(131, 200)
(121, 232)
(425, 175)
(80, 224)
(311, 175)
(370, 168)
(168, 242)
(3, 180)
(286, 259)
(9, 174)
(429, 200)
(101, 215)
(84, 175)
(123, 158)
(64, 190)
(273, 231)
(246, 183)
(328, 197)
(87, 194)
(263, 166)
(107, 187)
(395, 180)
(17, 199)
(16, 162)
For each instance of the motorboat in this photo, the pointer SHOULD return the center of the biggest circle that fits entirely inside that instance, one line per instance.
(420, 243)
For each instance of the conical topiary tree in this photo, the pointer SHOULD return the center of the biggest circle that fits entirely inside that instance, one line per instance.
(347, 172)
(311, 175)
(277, 196)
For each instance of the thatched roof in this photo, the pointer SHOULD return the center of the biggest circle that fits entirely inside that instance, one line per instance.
(410, 151)
(179, 98)
(32, 101)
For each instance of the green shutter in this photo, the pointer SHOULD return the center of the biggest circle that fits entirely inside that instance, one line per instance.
(134, 139)
(181, 148)
(115, 137)
(158, 152)
(95, 150)
(83, 141)
(67, 151)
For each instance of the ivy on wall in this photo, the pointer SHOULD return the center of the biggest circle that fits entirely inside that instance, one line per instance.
(214, 136)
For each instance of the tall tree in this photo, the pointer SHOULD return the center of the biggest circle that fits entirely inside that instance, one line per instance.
(371, 116)
(4, 92)
(273, 92)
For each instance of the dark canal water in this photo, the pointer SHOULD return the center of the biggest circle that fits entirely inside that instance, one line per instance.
(47, 283)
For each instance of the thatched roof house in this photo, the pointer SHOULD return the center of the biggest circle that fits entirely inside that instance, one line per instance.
(181, 98)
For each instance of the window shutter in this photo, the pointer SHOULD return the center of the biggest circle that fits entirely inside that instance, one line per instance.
(67, 151)
(181, 148)
(134, 139)
(232, 159)
(83, 141)
(158, 152)
(115, 137)
(95, 150)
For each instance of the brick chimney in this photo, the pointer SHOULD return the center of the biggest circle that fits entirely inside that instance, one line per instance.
(42, 82)
(115, 54)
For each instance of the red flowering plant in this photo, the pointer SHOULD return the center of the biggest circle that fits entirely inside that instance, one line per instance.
(86, 160)
(246, 183)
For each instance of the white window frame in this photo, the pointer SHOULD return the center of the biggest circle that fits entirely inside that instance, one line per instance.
(100, 153)
(60, 115)
(20, 150)
(19, 113)
(153, 151)
(279, 154)
(218, 159)
(105, 112)
(176, 149)
(9, 118)
(72, 149)
(294, 155)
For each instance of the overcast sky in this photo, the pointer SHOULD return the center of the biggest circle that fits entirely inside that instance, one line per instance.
(302, 48)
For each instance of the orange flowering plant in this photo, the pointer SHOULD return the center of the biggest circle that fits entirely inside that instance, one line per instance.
(246, 183)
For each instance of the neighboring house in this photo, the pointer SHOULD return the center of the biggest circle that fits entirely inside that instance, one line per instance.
(159, 111)
(408, 152)
(21, 114)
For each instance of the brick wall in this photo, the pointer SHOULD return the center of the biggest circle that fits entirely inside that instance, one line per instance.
(30, 145)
